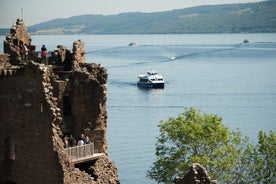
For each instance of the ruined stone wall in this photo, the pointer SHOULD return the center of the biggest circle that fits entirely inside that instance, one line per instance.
(88, 86)
(79, 51)
(20, 32)
(15, 40)
(4, 59)
(32, 149)
(26, 129)
(84, 87)
(197, 174)
(39, 105)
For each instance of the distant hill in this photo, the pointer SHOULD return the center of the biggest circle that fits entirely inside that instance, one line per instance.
(232, 18)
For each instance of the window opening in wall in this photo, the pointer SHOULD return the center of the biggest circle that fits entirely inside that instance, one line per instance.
(10, 147)
(67, 106)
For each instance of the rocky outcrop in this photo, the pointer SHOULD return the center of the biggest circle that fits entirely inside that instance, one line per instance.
(196, 175)
(110, 172)
(41, 103)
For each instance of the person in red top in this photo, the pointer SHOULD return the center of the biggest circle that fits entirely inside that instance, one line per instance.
(43, 52)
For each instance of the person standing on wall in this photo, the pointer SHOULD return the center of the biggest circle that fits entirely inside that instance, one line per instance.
(44, 53)
(25, 51)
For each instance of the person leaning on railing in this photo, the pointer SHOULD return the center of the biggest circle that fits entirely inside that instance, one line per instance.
(80, 142)
(87, 140)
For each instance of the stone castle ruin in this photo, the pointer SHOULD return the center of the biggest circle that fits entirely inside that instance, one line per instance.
(43, 101)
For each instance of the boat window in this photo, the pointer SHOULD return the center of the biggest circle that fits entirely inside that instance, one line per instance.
(143, 80)
(160, 79)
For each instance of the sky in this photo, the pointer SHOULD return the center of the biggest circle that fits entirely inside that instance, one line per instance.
(35, 11)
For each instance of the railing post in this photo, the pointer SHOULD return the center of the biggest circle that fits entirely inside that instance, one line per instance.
(84, 154)
(77, 152)
(92, 147)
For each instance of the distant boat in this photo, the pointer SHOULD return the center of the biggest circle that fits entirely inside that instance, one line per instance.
(151, 80)
(245, 41)
(132, 44)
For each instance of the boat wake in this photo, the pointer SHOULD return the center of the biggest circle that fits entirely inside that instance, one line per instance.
(121, 84)
(151, 54)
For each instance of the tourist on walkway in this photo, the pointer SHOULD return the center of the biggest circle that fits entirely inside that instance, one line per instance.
(72, 141)
(87, 140)
(66, 141)
(83, 137)
(80, 142)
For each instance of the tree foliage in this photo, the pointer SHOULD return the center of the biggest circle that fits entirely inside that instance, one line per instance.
(195, 137)
(265, 158)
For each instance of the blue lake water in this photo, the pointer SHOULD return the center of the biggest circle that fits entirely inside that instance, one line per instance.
(215, 73)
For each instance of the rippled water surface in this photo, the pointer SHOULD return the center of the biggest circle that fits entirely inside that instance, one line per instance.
(215, 73)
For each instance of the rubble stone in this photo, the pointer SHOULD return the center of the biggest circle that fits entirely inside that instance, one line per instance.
(196, 175)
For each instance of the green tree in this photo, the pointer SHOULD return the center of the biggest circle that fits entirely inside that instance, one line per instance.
(264, 159)
(196, 137)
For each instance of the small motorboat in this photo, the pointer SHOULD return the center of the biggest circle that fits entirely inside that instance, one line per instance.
(245, 41)
(132, 44)
(152, 79)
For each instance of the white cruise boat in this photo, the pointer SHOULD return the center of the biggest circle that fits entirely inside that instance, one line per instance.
(151, 80)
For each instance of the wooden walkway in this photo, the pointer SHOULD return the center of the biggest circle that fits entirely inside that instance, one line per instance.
(81, 154)
(86, 159)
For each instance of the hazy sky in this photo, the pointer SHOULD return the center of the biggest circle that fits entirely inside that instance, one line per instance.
(36, 11)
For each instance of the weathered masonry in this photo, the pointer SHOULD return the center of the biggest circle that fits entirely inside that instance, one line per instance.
(44, 100)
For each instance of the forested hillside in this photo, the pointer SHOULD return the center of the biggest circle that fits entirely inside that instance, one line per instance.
(233, 18)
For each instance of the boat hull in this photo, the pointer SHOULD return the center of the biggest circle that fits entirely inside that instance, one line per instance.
(150, 85)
